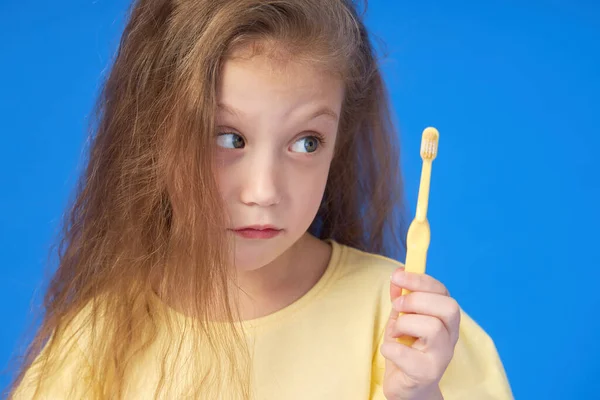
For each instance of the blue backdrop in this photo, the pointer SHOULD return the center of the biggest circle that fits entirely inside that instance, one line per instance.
(511, 86)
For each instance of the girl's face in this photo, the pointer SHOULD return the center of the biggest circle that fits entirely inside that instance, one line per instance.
(277, 126)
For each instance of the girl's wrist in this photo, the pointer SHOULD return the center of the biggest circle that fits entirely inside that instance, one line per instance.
(434, 394)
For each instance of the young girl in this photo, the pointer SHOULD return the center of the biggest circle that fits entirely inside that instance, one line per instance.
(242, 180)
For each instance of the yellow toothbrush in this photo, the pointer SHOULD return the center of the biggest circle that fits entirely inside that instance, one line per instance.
(418, 232)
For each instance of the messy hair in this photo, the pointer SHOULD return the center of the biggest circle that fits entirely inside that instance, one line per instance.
(147, 216)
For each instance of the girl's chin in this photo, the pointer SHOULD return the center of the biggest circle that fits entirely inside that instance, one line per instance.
(252, 258)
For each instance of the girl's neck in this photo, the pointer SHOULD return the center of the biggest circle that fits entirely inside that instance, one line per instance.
(273, 286)
(284, 280)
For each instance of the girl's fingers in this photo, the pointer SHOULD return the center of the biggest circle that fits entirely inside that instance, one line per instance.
(395, 290)
(444, 308)
(430, 330)
(411, 361)
(418, 282)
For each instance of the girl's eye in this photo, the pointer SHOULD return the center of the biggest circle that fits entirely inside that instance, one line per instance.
(230, 141)
(308, 144)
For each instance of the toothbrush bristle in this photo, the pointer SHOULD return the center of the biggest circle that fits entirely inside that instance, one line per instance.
(429, 143)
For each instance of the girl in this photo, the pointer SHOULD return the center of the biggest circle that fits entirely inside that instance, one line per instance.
(243, 177)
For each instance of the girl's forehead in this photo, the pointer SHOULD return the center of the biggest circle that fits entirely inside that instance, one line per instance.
(246, 77)
(255, 90)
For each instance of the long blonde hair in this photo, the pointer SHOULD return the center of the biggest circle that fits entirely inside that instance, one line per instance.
(147, 209)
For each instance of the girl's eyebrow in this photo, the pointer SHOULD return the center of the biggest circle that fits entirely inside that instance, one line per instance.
(230, 110)
(326, 111)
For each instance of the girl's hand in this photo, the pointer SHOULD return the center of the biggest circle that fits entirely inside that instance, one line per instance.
(432, 316)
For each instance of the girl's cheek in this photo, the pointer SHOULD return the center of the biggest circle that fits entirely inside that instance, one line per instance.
(226, 155)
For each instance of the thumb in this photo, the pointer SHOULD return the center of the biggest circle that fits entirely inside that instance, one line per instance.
(395, 290)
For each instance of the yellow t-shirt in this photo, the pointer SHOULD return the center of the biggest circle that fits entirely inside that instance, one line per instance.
(326, 344)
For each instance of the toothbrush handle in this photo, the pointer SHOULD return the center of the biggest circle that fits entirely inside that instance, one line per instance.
(416, 258)
(423, 197)
(417, 243)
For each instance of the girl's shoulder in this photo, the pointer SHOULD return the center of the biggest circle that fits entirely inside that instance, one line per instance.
(361, 280)
(360, 265)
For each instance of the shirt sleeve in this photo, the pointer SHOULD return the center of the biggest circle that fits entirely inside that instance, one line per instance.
(475, 372)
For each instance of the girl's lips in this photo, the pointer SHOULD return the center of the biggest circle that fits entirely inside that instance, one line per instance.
(251, 233)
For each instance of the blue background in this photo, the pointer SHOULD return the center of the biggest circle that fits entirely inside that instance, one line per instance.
(511, 86)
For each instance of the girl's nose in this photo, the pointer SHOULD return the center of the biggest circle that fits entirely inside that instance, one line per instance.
(259, 184)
